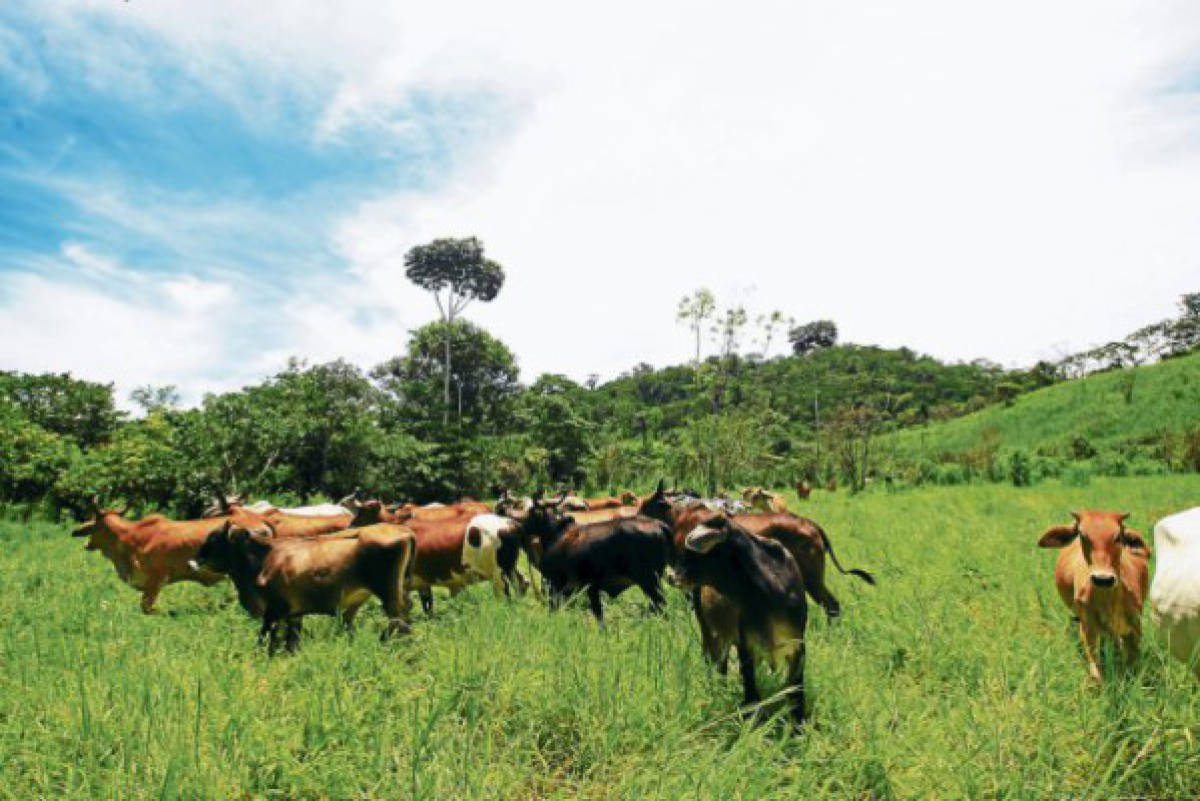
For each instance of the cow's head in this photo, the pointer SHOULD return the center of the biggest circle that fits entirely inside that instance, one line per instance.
(226, 548)
(1103, 540)
(99, 528)
(710, 554)
(367, 513)
(252, 522)
(541, 526)
(658, 506)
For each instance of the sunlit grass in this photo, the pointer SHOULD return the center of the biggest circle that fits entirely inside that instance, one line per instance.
(958, 676)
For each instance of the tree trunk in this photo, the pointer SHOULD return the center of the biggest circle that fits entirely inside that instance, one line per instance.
(446, 383)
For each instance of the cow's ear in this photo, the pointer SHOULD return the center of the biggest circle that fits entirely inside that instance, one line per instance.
(660, 489)
(1058, 536)
(1132, 538)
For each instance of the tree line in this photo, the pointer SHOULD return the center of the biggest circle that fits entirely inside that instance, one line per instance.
(449, 416)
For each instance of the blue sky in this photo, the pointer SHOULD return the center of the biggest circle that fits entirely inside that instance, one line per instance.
(191, 193)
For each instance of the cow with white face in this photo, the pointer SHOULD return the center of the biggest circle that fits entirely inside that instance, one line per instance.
(1175, 592)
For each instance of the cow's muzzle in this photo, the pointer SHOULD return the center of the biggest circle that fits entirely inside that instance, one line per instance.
(1103, 580)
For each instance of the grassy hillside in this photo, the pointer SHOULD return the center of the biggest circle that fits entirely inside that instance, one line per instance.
(958, 676)
(1166, 398)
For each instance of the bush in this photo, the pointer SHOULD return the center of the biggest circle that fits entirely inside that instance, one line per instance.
(1081, 448)
(1020, 469)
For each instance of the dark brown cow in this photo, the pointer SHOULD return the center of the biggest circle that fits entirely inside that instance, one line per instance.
(803, 490)
(1101, 577)
(151, 553)
(805, 540)
(282, 580)
(751, 596)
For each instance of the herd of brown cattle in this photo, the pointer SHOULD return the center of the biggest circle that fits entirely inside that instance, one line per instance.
(746, 566)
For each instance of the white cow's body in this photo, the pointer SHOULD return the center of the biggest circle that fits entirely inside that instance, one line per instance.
(1175, 591)
(319, 510)
(481, 547)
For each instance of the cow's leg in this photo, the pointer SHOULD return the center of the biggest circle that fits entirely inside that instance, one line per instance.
(294, 626)
(1130, 644)
(426, 600)
(746, 663)
(715, 647)
(1090, 638)
(652, 587)
(153, 586)
(499, 585)
(395, 605)
(347, 615)
(554, 597)
(594, 601)
(795, 682)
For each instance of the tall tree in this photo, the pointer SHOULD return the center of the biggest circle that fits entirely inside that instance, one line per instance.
(694, 310)
(458, 268)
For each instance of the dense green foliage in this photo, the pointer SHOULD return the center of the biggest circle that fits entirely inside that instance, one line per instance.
(846, 413)
(957, 677)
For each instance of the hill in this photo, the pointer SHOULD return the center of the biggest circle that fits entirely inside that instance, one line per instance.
(1122, 416)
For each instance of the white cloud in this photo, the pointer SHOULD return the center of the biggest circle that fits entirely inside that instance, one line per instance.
(971, 181)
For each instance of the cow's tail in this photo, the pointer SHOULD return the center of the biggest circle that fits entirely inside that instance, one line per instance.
(408, 562)
(854, 571)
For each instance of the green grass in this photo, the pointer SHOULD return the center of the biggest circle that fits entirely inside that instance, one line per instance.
(1166, 397)
(958, 676)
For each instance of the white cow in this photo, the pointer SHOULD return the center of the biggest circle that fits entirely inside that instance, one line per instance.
(1175, 591)
(490, 550)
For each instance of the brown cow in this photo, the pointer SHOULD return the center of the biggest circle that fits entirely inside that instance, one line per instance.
(762, 500)
(1101, 576)
(466, 508)
(439, 560)
(285, 525)
(149, 553)
(803, 538)
(282, 580)
(803, 490)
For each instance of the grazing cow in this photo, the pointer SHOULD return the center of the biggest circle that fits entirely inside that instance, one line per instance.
(508, 504)
(1175, 592)
(765, 501)
(490, 549)
(148, 554)
(439, 559)
(604, 503)
(750, 595)
(465, 509)
(1101, 577)
(282, 580)
(803, 538)
(287, 525)
(803, 490)
(609, 556)
(223, 504)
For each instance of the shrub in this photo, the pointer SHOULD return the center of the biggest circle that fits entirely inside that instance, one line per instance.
(1020, 470)
(1113, 463)
(1081, 448)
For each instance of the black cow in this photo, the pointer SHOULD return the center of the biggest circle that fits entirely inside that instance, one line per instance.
(609, 556)
(751, 595)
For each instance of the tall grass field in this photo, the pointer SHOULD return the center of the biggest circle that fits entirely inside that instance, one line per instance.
(958, 676)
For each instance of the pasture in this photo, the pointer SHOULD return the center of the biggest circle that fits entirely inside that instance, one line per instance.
(958, 676)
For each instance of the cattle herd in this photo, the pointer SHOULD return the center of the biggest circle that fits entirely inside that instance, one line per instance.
(746, 565)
